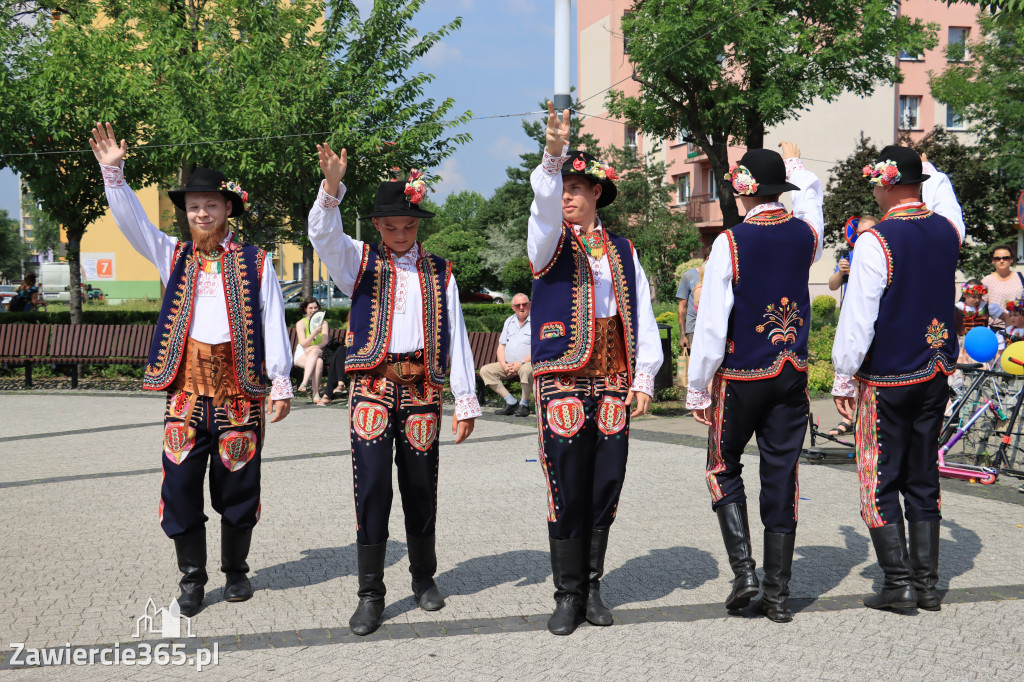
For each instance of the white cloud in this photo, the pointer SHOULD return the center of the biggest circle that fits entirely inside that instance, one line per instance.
(441, 55)
(451, 180)
(505, 151)
(522, 7)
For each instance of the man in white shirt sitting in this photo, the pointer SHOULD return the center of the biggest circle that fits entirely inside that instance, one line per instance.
(513, 360)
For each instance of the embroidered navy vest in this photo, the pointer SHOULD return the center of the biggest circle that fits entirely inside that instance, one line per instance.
(915, 335)
(772, 255)
(373, 300)
(562, 312)
(241, 268)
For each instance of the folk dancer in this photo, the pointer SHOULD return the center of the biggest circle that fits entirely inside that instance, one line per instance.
(595, 348)
(750, 347)
(404, 330)
(896, 334)
(220, 348)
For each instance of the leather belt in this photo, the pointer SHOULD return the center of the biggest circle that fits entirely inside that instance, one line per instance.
(608, 356)
(207, 371)
(404, 370)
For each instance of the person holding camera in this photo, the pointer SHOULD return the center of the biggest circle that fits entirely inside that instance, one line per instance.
(842, 272)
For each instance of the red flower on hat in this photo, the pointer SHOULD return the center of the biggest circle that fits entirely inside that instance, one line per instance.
(579, 164)
(611, 174)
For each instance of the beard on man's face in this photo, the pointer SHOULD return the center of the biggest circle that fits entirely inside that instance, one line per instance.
(209, 240)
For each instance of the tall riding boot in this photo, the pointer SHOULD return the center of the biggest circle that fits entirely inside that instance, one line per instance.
(191, 551)
(736, 533)
(597, 612)
(891, 548)
(234, 550)
(423, 566)
(569, 570)
(366, 618)
(924, 560)
(778, 569)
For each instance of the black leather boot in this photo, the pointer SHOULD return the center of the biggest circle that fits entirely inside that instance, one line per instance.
(191, 551)
(366, 618)
(597, 612)
(736, 533)
(778, 569)
(423, 566)
(568, 569)
(234, 550)
(891, 548)
(924, 560)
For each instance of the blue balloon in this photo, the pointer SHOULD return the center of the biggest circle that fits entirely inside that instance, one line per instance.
(981, 344)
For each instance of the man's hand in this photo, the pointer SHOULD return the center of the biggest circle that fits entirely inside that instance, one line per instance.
(515, 367)
(281, 408)
(847, 406)
(844, 266)
(557, 132)
(703, 415)
(643, 403)
(461, 428)
(105, 147)
(789, 150)
(684, 342)
(333, 166)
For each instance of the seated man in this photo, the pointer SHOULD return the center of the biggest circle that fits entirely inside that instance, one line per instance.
(513, 359)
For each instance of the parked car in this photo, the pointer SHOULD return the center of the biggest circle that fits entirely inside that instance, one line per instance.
(497, 296)
(7, 292)
(336, 300)
(483, 295)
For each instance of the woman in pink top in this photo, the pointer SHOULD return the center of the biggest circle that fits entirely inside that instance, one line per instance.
(1003, 284)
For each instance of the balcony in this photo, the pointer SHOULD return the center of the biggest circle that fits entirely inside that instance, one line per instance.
(701, 208)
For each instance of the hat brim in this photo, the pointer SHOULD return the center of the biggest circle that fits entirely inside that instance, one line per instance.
(769, 190)
(399, 212)
(913, 181)
(177, 197)
(608, 189)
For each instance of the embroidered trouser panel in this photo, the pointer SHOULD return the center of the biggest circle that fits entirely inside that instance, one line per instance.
(390, 420)
(584, 442)
(897, 451)
(230, 436)
(775, 410)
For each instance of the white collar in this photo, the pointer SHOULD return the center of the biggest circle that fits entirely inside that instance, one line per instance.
(579, 228)
(410, 256)
(761, 208)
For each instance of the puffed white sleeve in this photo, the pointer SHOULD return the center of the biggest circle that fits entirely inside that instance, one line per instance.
(856, 329)
(276, 345)
(938, 195)
(808, 201)
(342, 255)
(709, 336)
(649, 355)
(462, 378)
(135, 225)
(544, 227)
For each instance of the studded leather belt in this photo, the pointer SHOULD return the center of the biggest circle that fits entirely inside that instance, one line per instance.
(405, 368)
(609, 354)
(207, 371)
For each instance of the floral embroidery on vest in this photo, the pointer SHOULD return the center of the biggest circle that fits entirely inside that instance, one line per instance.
(240, 314)
(937, 334)
(782, 322)
(160, 374)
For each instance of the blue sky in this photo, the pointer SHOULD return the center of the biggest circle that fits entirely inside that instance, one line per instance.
(499, 62)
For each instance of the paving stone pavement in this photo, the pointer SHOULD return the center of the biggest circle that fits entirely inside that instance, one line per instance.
(82, 552)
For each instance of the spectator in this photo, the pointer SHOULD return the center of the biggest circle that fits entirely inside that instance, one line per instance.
(687, 308)
(972, 311)
(309, 350)
(335, 353)
(513, 359)
(1003, 284)
(28, 297)
(842, 271)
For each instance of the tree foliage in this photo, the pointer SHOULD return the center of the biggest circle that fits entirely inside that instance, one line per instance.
(716, 73)
(13, 251)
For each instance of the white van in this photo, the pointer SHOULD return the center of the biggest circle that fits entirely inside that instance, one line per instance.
(54, 281)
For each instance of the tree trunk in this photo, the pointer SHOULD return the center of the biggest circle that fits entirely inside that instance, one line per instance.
(185, 171)
(718, 155)
(75, 266)
(307, 270)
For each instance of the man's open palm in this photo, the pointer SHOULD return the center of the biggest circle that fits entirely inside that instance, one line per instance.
(105, 146)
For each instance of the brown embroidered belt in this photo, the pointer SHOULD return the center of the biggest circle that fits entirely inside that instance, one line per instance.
(405, 369)
(609, 354)
(207, 371)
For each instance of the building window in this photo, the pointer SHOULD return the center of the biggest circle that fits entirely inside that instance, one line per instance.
(625, 38)
(954, 121)
(681, 136)
(631, 137)
(683, 188)
(957, 44)
(296, 271)
(910, 112)
(712, 185)
(909, 56)
(28, 234)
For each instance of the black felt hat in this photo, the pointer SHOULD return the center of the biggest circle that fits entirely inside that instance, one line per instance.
(582, 163)
(908, 163)
(767, 169)
(391, 200)
(209, 180)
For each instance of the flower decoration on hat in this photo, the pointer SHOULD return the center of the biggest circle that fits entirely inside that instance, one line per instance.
(883, 174)
(975, 290)
(742, 180)
(600, 170)
(1016, 306)
(232, 186)
(416, 187)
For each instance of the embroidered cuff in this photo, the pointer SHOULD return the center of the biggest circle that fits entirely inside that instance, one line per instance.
(113, 176)
(552, 165)
(326, 201)
(794, 163)
(643, 382)
(697, 398)
(281, 389)
(843, 386)
(467, 407)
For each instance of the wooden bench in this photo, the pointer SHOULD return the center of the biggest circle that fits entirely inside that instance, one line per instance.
(22, 344)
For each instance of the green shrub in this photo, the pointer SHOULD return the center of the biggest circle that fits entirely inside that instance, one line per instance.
(670, 317)
(823, 310)
(517, 276)
(819, 351)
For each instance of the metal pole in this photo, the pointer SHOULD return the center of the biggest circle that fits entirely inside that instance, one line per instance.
(563, 41)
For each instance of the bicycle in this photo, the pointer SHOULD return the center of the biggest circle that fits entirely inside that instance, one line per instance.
(817, 455)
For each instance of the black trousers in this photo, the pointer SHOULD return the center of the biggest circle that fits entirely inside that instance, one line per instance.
(390, 420)
(897, 451)
(584, 434)
(228, 436)
(775, 411)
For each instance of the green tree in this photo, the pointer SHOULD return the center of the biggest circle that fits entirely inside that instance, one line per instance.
(462, 248)
(45, 230)
(847, 193)
(756, 68)
(13, 251)
(460, 211)
(518, 277)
